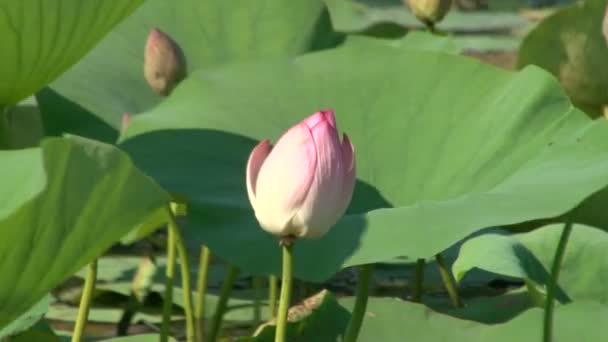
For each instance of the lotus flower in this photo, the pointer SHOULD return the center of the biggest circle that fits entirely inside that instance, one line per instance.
(301, 187)
(164, 62)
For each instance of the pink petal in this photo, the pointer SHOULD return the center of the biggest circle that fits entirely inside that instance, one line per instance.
(348, 155)
(322, 207)
(256, 160)
(153, 37)
(284, 180)
(324, 116)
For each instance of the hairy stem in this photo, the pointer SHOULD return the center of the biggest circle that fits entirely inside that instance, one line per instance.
(201, 290)
(222, 302)
(448, 281)
(286, 285)
(169, 281)
(552, 286)
(356, 319)
(85, 302)
(182, 253)
(418, 281)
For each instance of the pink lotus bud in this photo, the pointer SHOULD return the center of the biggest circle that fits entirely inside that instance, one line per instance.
(164, 62)
(125, 122)
(302, 185)
(429, 12)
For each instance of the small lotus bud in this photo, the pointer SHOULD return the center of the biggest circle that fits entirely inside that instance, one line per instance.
(429, 12)
(301, 187)
(125, 122)
(164, 62)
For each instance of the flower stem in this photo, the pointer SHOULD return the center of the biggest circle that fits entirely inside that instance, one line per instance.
(273, 287)
(85, 301)
(552, 286)
(185, 271)
(418, 281)
(448, 281)
(201, 290)
(222, 302)
(356, 319)
(169, 281)
(286, 284)
(257, 299)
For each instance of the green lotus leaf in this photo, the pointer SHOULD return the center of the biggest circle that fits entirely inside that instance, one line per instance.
(445, 146)
(90, 98)
(43, 38)
(65, 203)
(530, 256)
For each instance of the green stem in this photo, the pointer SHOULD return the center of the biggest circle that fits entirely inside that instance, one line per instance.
(356, 319)
(201, 290)
(273, 287)
(182, 253)
(552, 286)
(418, 281)
(222, 302)
(448, 281)
(286, 284)
(85, 301)
(169, 281)
(257, 299)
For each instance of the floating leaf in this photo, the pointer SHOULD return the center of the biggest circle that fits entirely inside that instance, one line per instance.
(530, 256)
(574, 322)
(445, 147)
(210, 32)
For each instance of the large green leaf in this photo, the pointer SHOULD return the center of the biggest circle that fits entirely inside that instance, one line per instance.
(530, 256)
(42, 38)
(445, 146)
(581, 321)
(571, 46)
(27, 319)
(74, 198)
(109, 81)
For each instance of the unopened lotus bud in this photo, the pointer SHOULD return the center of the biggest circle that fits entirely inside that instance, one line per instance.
(164, 62)
(125, 122)
(429, 12)
(302, 186)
